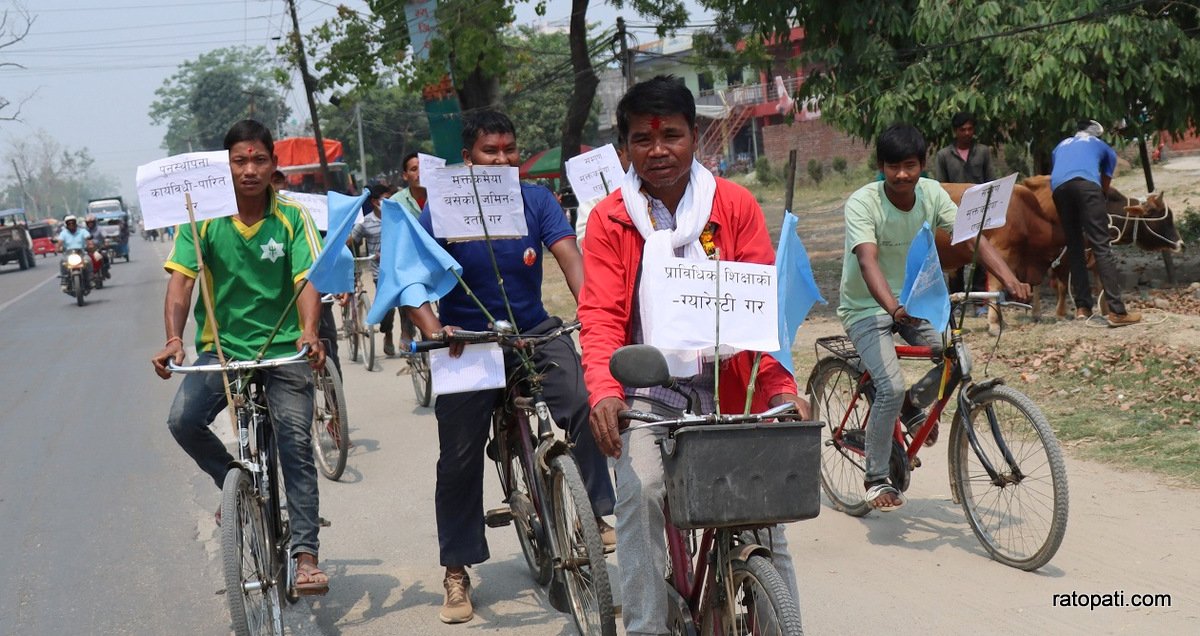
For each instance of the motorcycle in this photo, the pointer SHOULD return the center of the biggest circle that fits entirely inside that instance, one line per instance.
(75, 274)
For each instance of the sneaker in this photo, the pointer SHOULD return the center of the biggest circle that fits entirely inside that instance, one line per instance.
(457, 608)
(608, 535)
(1082, 313)
(389, 349)
(1120, 320)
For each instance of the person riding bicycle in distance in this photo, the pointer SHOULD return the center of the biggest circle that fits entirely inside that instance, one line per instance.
(882, 219)
(250, 258)
(666, 190)
(464, 419)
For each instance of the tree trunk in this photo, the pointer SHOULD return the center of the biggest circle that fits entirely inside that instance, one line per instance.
(479, 91)
(585, 82)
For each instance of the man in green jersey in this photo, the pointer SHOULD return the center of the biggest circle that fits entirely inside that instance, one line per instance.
(253, 261)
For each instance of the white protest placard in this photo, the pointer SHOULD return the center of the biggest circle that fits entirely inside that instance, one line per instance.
(316, 204)
(163, 184)
(426, 164)
(595, 173)
(690, 296)
(971, 210)
(457, 211)
(480, 367)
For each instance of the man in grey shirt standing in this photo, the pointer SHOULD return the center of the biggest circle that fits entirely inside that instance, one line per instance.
(965, 160)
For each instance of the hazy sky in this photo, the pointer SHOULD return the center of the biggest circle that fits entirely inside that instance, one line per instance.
(92, 66)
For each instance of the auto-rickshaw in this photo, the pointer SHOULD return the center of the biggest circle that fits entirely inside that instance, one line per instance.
(114, 226)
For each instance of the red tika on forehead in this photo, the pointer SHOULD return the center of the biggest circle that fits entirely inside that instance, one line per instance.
(655, 122)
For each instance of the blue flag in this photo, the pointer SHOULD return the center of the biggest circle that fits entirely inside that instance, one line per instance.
(924, 294)
(330, 269)
(797, 288)
(413, 268)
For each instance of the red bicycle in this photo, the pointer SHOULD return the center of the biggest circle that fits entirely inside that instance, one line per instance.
(1006, 466)
(720, 507)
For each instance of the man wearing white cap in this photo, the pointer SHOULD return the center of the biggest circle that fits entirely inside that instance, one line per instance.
(1083, 169)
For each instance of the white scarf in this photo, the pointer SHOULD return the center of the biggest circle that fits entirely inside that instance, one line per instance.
(691, 216)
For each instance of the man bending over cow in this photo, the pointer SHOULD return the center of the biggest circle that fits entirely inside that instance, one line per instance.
(882, 219)
(1083, 168)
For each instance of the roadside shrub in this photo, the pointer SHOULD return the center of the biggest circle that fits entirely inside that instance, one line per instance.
(762, 171)
(816, 170)
(1189, 225)
(839, 166)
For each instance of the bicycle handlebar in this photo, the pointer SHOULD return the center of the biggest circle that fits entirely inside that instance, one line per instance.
(240, 365)
(649, 420)
(506, 339)
(985, 298)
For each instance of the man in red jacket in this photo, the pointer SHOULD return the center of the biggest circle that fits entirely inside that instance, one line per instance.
(669, 202)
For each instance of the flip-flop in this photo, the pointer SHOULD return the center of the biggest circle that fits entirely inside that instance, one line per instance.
(879, 490)
(309, 572)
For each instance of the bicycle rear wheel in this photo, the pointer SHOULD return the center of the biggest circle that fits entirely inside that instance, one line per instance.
(246, 551)
(368, 335)
(350, 329)
(1020, 517)
(331, 424)
(582, 551)
(843, 463)
(418, 368)
(761, 605)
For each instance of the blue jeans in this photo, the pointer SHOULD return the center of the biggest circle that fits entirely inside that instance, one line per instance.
(201, 397)
(876, 347)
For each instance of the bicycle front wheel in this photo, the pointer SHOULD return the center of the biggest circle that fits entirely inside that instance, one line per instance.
(350, 329)
(246, 552)
(331, 424)
(418, 368)
(368, 334)
(582, 551)
(843, 458)
(1020, 515)
(527, 519)
(761, 603)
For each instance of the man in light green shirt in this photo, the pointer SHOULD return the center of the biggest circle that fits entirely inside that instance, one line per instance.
(882, 218)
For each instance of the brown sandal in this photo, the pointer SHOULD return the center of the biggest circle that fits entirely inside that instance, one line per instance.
(314, 583)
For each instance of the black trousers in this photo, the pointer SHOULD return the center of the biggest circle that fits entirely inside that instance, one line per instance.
(1084, 212)
(464, 421)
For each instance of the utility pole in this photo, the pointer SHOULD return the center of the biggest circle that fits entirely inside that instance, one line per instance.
(309, 89)
(362, 153)
(25, 198)
(626, 54)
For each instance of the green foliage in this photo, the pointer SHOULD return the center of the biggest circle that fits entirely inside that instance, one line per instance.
(1189, 226)
(1028, 70)
(839, 166)
(394, 124)
(538, 88)
(207, 95)
(58, 180)
(762, 171)
(816, 170)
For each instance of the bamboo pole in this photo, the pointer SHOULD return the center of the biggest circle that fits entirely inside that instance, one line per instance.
(211, 319)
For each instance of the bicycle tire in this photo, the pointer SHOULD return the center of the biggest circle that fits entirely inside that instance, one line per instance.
(527, 521)
(1018, 531)
(833, 384)
(418, 368)
(331, 424)
(246, 554)
(350, 327)
(368, 334)
(584, 566)
(762, 603)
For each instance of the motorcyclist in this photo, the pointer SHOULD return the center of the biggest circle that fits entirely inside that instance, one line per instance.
(73, 237)
(99, 264)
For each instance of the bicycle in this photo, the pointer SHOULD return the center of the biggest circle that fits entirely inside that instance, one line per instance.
(543, 489)
(355, 329)
(1000, 444)
(418, 364)
(713, 492)
(331, 423)
(259, 574)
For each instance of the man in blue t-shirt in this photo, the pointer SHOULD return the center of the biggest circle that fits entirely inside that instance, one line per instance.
(1083, 168)
(464, 419)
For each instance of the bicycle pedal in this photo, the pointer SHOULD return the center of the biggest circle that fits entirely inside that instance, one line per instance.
(916, 462)
(323, 522)
(498, 517)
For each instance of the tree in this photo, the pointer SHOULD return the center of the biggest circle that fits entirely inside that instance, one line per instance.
(394, 124)
(13, 31)
(209, 94)
(538, 91)
(57, 180)
(1028, 70)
